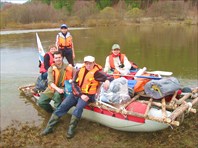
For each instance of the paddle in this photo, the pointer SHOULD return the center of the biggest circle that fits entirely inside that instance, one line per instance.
(120, 75)
(163, 73)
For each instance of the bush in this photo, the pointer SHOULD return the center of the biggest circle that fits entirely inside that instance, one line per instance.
(134, 13)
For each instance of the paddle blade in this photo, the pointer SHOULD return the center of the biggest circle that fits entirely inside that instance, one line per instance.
(163, 73)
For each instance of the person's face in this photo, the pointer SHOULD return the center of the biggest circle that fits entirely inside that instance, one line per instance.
(53, 49)
(58, 59)
(89, 65)
(64, 30)
(116, 51)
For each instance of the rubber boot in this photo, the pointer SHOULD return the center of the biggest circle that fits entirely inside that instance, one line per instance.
(72, 126)
(50, 125)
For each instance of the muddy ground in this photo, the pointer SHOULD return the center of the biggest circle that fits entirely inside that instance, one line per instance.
(91, 134)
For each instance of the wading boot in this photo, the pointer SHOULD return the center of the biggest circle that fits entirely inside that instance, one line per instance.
(72, 126)
(51, 123)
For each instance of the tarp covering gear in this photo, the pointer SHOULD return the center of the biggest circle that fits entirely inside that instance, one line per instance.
(161, 88)
(117, 92)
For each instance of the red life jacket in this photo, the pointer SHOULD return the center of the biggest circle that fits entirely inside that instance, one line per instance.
(51, 61)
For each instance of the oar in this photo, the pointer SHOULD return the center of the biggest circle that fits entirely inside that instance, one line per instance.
(120, 75)
(163, 73)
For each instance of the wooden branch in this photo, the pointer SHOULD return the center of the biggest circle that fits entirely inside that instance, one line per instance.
(164, 108)
(148, 107)
(132, 100)
(180, 110)
(180, 101)
(173, 100)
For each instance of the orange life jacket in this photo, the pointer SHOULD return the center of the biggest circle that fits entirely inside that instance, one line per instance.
(51, 61)
(66, 76)
(121, 57)
(64, 41)
(111, 62)
(86, 82)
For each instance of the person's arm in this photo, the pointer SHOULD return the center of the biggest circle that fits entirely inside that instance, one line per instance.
(103, 77)
(75, 88)
(73, 52)
(51, 81)
(46, 61)
(57, 41)
(107, 65)
(127, 64)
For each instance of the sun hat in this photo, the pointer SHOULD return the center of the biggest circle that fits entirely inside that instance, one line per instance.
(115, 46)
(63, 26)
(89, 59)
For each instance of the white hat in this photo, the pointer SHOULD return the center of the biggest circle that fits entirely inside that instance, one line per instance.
(63, 26)
(115, 46)
(89, 59)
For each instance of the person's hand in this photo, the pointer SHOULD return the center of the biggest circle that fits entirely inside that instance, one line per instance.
(73, 55)
(60, 90)
(106, 84)
(85, 98)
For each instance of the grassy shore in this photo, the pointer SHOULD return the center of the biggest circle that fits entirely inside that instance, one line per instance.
(102, 22)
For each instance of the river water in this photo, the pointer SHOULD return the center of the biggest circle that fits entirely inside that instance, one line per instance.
(166, 48)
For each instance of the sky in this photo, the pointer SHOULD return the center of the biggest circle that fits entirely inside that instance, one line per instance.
(15, 1)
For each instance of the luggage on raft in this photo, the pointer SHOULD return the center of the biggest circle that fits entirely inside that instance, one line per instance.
(158, 89)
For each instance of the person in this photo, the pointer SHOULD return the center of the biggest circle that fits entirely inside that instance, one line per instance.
(117, 62)
(84, 85)
(57, 74)
(41, 83)
(48, 61)
(64, 44)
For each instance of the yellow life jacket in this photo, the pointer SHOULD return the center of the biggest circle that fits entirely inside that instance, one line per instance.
(64, 41)
(86, 82)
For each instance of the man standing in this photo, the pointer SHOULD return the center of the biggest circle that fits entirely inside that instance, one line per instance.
(84, 86)
(65, 44)
(57, 74)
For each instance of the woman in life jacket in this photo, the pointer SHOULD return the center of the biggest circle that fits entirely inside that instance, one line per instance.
(64, 44)
(48, 61)
(41, 83)
(118, 63)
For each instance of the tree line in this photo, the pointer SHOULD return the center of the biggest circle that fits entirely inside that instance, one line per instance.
(96, 12)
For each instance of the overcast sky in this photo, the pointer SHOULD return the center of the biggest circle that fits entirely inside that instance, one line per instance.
(15, 1)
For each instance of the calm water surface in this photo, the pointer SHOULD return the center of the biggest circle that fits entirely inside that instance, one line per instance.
(170, 48)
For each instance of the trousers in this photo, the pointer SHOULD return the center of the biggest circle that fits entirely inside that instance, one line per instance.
(71, 101)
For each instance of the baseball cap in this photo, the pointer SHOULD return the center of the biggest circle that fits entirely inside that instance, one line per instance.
(115, 46)
(64, 26)
(89, 59)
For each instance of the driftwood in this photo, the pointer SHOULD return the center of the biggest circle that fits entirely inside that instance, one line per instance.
(148, 107)
(180, 110)
(169, 107)
(173, 100)
(164, 108)
(180, 101)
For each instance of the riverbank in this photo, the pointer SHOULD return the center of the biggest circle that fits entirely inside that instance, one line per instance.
(102, 22)
(28, 135)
